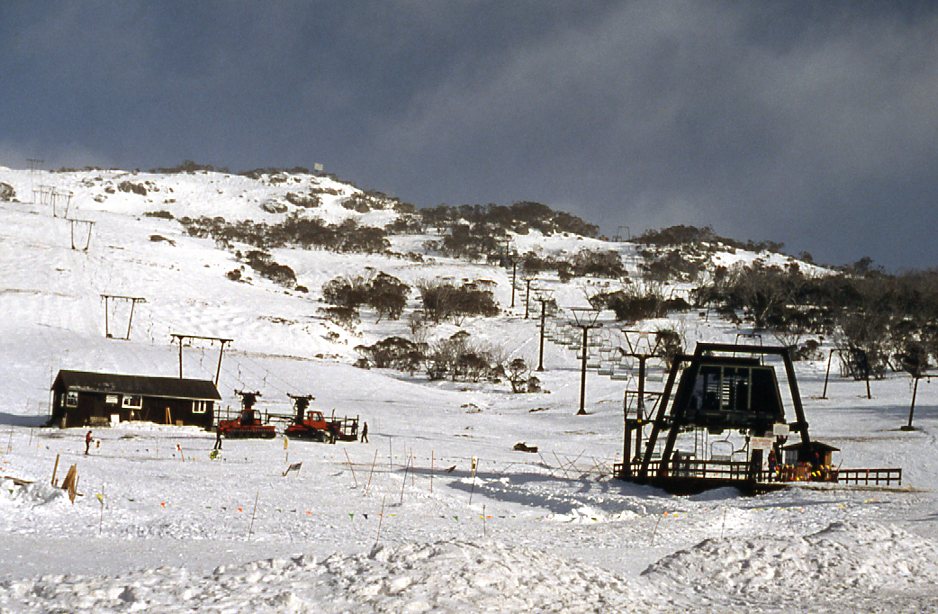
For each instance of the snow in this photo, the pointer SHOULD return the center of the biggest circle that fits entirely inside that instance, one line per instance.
(401, 524)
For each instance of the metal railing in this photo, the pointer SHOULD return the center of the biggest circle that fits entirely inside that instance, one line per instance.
(742, 471)
(876, 477)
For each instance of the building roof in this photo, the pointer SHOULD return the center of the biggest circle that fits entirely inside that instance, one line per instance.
(814, 445)
(143, 385)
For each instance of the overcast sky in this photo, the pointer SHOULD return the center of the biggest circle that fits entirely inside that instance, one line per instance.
(810, 123)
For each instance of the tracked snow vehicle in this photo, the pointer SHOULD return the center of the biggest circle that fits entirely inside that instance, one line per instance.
(248, 425)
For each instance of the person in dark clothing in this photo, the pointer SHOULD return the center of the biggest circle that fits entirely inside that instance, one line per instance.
(365, 433)
(217, 439)
(88, 440)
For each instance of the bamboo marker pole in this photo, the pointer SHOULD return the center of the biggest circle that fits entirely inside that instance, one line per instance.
(55, 470)
(404, 481)
(370, 475)
(254, 513)
(380, 520)
(351, 467)
(101, 517)
(432, 462)
(655, 531)
(475, 465)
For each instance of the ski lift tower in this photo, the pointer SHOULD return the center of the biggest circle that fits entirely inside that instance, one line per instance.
(585, 318)
(542, 296)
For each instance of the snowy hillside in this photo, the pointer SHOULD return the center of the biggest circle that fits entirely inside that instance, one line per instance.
(437, 512)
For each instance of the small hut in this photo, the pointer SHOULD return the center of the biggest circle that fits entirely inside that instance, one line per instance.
(83, 398)
(815, 453)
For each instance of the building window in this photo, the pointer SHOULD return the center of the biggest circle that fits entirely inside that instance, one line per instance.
(71, 399)
(132, 401)
(201, 407)
(111, 399)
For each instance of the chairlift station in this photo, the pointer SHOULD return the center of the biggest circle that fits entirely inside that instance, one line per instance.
(719, 420)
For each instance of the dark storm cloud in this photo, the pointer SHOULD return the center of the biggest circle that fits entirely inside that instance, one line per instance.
(809, 123)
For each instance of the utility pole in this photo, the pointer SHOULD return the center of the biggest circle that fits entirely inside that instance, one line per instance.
(584, 318)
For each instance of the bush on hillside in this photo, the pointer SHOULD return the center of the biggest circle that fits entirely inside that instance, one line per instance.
(446, 301)
(7, 192)
(307, 201)
(292, 231)
(386, 294)
(472, 243)
(264, 264)
(692, 235)
(598, 264)
(188, 166)
(458, 359)
(393, 353)
(671, 265)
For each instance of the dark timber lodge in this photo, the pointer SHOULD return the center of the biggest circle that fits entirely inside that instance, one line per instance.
(82, 398)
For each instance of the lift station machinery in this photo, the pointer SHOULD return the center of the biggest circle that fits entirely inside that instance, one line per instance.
(725, 425)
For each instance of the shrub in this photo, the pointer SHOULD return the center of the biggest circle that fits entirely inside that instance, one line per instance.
(461, 360)
(188, 166)
(346, 317)
(519, 376)
(309, 201)
(692, 235)
(386, 294)
(598, 264)
(671, 265)
(443, 300)
(393, 353)
(632, 304)
(265, 266)
(136, 188)
(464, 241)
(7, 192)
(670, 344)
(166, 215)
(293, 230)
(345, 292)
(518, 217)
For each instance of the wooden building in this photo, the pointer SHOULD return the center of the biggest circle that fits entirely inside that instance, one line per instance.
(82, 398)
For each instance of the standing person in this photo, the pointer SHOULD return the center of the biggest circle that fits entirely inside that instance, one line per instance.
(217, 439)
(773, 463)
(365, 433)
(333, 432)
(88, 440)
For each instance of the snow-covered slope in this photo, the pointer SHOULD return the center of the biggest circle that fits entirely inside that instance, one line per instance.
(402, 523)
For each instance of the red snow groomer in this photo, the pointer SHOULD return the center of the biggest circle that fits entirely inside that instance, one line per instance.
(248, 424)
(311, 425)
